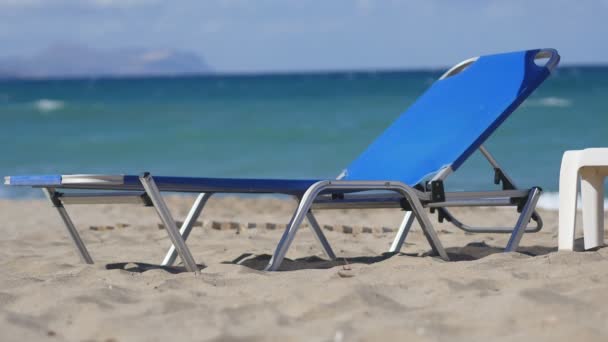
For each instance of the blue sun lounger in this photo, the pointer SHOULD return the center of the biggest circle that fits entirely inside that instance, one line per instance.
(403, 168)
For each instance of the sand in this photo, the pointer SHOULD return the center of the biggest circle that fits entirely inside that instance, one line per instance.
(47, 294)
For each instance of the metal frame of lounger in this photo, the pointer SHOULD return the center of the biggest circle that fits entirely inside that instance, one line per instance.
(152, 196)
(459, 199)
(316, 197)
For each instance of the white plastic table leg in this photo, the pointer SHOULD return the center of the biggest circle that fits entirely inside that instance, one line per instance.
(592, 193)
(568, 190)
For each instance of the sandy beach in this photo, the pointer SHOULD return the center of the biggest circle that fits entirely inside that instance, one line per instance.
(47, 294)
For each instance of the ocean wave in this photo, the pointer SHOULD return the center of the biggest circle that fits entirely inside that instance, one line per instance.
(550, 201)
(48, 105)
(551, 101)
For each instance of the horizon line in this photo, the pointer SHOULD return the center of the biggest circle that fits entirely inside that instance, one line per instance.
(211, 73)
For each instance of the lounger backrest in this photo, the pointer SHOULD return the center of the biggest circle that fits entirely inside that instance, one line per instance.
(452, 118)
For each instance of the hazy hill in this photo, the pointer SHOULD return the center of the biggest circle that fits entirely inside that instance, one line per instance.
(73, 60)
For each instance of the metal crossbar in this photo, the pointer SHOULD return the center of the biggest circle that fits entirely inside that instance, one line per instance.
(104, 198)
(492, 230)
(187, 226)
(404, 229)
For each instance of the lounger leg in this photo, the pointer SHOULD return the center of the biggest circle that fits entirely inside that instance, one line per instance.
(523, 220)
(283, 245)
(82, 249)
(186, 228)
(316, 229)
(165, 215)
(290, 231)
(427, 226)
(404, 229)
(592, 193)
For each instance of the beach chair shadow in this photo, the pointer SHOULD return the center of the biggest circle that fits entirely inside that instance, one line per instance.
(141, 267)
(479, 250)
(259, 262)
(472, 251)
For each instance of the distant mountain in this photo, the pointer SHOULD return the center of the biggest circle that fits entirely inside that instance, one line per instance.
(73, 60)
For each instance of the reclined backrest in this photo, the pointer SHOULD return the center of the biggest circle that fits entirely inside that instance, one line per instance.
(453, 117)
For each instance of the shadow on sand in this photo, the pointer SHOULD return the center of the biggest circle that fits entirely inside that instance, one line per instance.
(259, 262)
(470, 252)
(141, 267)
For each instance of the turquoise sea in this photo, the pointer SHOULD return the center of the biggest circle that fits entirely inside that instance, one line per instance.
(288, 125)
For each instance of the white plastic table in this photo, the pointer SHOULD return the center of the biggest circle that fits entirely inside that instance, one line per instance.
(591, 165)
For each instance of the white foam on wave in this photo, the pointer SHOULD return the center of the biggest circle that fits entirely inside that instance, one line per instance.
(551, 101)
(48, 105)
(550, 201)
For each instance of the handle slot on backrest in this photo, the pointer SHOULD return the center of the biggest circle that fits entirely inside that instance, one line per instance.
(548, 58)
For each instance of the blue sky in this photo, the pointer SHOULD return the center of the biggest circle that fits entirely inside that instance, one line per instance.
(274, 35)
